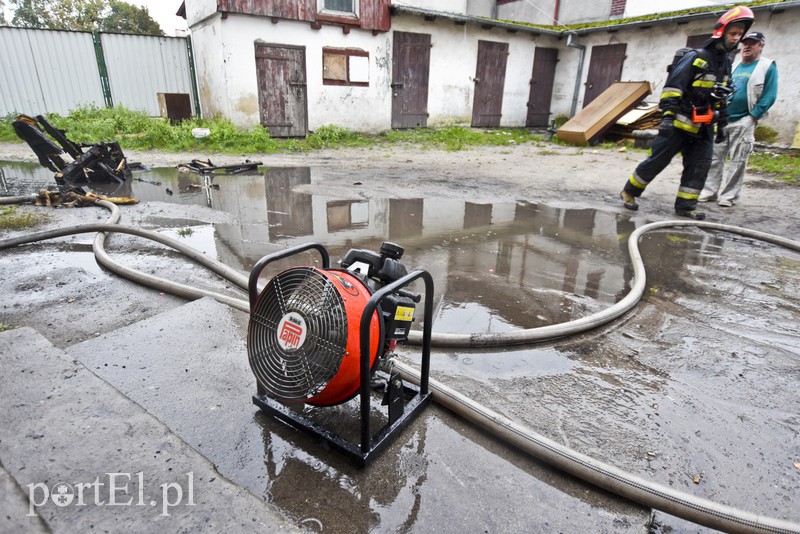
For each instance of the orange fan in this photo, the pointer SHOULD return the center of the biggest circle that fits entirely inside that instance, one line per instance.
(303, 339)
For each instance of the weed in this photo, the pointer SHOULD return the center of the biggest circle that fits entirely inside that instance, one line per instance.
(785, 167)
(4, 327)
(135, 130)
(185, 232)
(560, 120)
(12, 219)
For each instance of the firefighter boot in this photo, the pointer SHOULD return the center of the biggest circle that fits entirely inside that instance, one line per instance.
(629, 201)
(692, 214)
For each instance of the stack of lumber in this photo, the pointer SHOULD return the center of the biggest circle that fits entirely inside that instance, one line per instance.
(643, 117)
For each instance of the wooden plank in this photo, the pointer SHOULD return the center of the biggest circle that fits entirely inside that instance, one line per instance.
(589, 124)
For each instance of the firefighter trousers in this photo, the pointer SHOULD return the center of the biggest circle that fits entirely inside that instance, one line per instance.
(696, 152)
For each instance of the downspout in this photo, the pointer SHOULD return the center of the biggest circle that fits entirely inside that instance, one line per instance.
(556, 13)
(579, 75)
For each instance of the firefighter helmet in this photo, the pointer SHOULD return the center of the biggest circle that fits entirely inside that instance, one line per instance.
(741, 14)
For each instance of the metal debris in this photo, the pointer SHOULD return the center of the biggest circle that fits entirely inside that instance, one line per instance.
(206, 167)
(75, 198)
(98, 163)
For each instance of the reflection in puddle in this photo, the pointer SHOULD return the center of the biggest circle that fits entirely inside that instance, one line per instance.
(496, 266)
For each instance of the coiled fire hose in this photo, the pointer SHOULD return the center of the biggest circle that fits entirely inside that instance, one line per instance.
(610, 478)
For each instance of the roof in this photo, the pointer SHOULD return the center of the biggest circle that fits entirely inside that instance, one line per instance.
(600, 26)
(430, 14)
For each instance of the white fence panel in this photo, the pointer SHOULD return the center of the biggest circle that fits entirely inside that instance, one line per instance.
(140, 67)
(47, 71)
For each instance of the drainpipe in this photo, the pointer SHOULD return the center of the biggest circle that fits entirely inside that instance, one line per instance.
(579, 75)
(556, 13)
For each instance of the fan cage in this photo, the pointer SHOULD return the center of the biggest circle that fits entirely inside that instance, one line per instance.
(303, 326)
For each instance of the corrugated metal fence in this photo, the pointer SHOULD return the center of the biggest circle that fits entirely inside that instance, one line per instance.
(48, 71)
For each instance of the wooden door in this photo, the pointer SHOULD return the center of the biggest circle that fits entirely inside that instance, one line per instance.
(490, 77)
(411, 63)
(289, 213)
(282, 91)
(605, 68)
(541, 93)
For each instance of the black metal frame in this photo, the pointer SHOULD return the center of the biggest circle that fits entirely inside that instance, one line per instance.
(419, 397)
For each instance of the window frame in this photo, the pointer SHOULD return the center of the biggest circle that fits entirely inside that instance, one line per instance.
(348, 53)
(354, 14)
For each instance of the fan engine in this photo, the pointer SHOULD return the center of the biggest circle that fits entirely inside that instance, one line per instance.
(319, 336)
(305, 331)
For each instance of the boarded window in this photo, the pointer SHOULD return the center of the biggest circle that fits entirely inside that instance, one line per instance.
(344, 66)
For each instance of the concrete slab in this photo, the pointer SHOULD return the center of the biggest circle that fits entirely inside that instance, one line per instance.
(79, 456)
(189, 368)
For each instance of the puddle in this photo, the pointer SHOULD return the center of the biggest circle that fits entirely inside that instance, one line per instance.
(496, 267)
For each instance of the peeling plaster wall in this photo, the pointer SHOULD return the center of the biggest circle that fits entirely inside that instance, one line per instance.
(198, 10)
(451, 86)
(210, 67)
(225, 58)
(650, 50)
(543, 12)
(363, 109)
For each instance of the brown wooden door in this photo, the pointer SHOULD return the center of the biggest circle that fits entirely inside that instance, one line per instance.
(282, 91)
(411, 63)
(542, 79)
(289, 213)
(605, 68)
(490, 77)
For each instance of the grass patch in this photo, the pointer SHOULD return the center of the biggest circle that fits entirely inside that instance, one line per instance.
(12, 219)
(4, 327)
(785, 167)
(135, 130)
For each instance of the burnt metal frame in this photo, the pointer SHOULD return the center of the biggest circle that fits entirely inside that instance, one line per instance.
(370, 445)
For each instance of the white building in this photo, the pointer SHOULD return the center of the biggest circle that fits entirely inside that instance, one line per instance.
(371, 66)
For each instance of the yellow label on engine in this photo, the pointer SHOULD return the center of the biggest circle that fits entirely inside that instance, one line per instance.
(404, 314)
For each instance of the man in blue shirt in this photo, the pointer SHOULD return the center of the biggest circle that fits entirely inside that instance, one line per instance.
(756, 81)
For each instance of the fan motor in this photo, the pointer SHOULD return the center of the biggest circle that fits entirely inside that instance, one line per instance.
(305, 326)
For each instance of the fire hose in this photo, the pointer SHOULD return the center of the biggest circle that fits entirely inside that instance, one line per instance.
(636, 489)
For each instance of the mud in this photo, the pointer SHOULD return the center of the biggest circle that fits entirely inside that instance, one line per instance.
(695, 389)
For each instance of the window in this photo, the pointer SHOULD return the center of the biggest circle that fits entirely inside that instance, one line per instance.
(347, 215)
(345, 66)
(337, 6)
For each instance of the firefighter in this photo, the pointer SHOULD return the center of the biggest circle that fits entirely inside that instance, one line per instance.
(693, 106)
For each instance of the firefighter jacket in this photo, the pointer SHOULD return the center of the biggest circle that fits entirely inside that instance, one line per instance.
(692, 95)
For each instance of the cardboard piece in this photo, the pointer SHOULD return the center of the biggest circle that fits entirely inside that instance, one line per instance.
(602, 112)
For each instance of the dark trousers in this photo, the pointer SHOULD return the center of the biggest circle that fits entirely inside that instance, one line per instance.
(697, 152)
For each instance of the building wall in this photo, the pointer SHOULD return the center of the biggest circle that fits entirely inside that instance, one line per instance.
(452, 86)
(650, 50)
(544, 11)
(224, 53)
(227, 71)
(445, 6)
(637, 8)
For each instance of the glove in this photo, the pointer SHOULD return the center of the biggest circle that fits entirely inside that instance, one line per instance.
(667, 127)
(722, 134)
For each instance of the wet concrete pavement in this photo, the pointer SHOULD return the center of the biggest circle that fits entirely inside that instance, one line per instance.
(696, 389)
